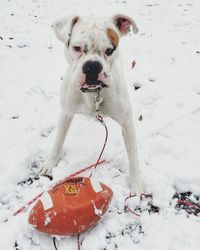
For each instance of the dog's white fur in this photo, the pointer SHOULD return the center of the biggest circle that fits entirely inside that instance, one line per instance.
(76, 31)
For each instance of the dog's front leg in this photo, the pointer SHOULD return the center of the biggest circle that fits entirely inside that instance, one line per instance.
(129, 135)
(63, 127)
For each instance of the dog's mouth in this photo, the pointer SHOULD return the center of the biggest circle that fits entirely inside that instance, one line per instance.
(93, 86)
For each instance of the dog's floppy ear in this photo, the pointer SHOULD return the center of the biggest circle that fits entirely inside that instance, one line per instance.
(124, 23)
(63, 28)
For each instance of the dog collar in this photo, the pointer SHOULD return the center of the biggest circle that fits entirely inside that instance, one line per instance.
(98, 100)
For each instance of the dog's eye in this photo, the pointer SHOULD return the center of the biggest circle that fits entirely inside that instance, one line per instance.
(77, 49)
(109, 51)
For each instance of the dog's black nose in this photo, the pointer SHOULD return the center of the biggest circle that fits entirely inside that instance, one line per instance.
(91, 69)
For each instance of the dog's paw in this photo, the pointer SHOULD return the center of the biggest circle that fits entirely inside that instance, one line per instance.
(137, 188)
(47, 166)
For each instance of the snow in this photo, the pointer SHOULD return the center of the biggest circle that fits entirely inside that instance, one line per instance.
(32, 64)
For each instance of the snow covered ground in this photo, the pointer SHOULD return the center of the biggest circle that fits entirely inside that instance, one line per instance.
(167, 55)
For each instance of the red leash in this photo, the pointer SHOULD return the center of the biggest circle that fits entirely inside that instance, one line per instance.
(127, 208)
(78, 242)
(100, 119)
(189, 204)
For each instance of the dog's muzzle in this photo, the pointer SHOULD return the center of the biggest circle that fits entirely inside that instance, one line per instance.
(91, 70)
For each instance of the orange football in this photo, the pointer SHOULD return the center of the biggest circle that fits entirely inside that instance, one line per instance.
(71, 208)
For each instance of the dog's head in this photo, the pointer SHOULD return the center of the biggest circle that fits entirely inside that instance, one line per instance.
(91, 47)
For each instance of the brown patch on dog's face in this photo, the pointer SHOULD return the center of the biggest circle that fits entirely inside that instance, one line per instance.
(113, 37)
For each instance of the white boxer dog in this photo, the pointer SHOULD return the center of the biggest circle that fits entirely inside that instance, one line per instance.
(91, 49)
